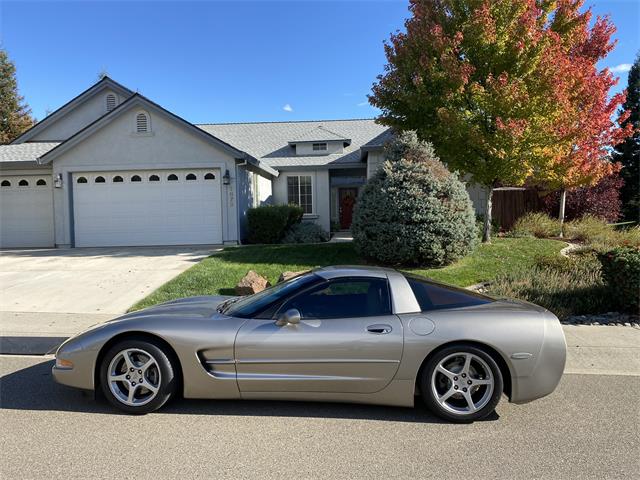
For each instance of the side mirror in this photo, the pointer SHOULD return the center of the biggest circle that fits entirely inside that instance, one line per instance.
(290, 317)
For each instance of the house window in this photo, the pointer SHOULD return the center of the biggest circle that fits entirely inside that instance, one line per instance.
(142, 123)
(299, 192)
(319, 147)
(99, 180)
(23, 183)
(209, 176)
(191, 176)
(136, 178)
(81, 180)
(172, 178)
(118, 179)
(41, 182)
(111, 102)
(6, 183)
(154, 178)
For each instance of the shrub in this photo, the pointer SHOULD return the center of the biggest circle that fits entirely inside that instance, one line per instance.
(305, 232)
(587, 229)
(413, 211)
(600, 236)
(621, 274)
(536, 224)
(565, 286)
(601, 200)
(268, 224)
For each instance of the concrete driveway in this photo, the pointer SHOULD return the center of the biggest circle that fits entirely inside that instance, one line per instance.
(63, 291)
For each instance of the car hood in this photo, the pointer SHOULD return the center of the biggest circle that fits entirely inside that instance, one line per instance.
(203, 307)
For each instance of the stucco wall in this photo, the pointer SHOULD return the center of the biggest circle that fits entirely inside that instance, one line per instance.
(319, 191)
(74, 121)
(374, 162)
(116, 147)
(478, 195)
(265, 190)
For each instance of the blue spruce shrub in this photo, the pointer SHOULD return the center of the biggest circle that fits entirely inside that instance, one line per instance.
(414, 211)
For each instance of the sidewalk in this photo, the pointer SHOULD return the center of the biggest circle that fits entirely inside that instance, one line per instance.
(602, 350)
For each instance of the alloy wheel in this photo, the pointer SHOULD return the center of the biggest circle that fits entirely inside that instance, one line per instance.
(462, 383)
(134, 377)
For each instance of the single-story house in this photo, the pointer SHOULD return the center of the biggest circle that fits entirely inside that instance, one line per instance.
(113, 168)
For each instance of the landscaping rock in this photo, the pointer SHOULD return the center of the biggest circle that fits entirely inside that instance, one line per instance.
(284, 276)
(610, 318)
(251, 283)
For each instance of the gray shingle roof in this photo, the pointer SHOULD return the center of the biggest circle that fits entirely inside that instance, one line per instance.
(269, 141)
(25, 152)
(318, 134)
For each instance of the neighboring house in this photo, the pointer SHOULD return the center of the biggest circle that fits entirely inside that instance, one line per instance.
(112, 168)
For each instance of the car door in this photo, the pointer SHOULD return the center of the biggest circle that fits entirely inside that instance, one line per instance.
(348, 340)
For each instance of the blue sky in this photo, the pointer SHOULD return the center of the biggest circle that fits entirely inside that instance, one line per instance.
(212, 61)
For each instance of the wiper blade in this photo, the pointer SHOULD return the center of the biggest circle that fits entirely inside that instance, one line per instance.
(224, 305)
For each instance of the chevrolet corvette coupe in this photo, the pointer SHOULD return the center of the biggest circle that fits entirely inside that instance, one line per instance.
(340, 334)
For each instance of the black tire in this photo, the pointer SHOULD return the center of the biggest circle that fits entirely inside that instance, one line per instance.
(166, 385)
(491, 399)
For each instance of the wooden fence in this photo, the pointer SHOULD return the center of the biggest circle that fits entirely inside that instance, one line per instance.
(511, 203)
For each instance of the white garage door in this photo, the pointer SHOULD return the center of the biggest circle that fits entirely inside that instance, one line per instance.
(26, 211)
(155, 207)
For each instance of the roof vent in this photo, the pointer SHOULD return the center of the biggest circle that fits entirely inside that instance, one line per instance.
(111, 102)
(142, 123)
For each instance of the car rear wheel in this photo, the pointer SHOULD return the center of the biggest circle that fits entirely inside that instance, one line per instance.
(461, 383)
(137, 376)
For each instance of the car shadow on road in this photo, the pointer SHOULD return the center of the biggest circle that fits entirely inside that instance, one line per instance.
(33, 388)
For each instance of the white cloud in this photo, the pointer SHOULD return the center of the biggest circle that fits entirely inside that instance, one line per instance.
(622, 68)
(287, 108)
(362, 104)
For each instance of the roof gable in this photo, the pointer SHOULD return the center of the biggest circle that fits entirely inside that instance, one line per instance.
(74, 104)
(320, 134)
(139, 101)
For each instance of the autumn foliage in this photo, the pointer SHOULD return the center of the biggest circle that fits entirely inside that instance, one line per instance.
(601, 200)
(506, 90)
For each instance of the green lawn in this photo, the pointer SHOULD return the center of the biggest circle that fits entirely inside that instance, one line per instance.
(217, 275)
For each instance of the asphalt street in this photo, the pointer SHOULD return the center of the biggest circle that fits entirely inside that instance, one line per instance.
(589, 428)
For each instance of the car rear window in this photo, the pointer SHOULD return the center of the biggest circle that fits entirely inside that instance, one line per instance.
(436, 296)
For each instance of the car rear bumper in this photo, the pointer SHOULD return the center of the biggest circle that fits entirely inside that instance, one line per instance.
(549, 366)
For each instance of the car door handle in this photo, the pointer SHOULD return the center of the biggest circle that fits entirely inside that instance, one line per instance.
(379, 328)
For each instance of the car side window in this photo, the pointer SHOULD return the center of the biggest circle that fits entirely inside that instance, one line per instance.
(434, 296)
(343, 298)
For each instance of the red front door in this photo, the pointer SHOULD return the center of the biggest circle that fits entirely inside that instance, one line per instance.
(346, 200)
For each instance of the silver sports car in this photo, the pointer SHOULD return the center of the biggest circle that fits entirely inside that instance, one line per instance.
(343, 334)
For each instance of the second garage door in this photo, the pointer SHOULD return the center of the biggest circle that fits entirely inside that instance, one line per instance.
(137, 208)
(26, 211)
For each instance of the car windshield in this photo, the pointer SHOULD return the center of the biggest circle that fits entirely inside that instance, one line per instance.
(252, 305)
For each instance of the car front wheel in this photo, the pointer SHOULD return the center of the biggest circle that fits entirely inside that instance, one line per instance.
(137, 376)
(461, 383)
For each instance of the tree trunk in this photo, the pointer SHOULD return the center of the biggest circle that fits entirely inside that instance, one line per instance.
(486, 234)
(563, 202)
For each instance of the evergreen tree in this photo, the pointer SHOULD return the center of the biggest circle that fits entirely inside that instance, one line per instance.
(628, 152)
(15, 115)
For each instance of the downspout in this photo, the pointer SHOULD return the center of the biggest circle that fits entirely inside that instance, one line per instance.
(241, 164)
